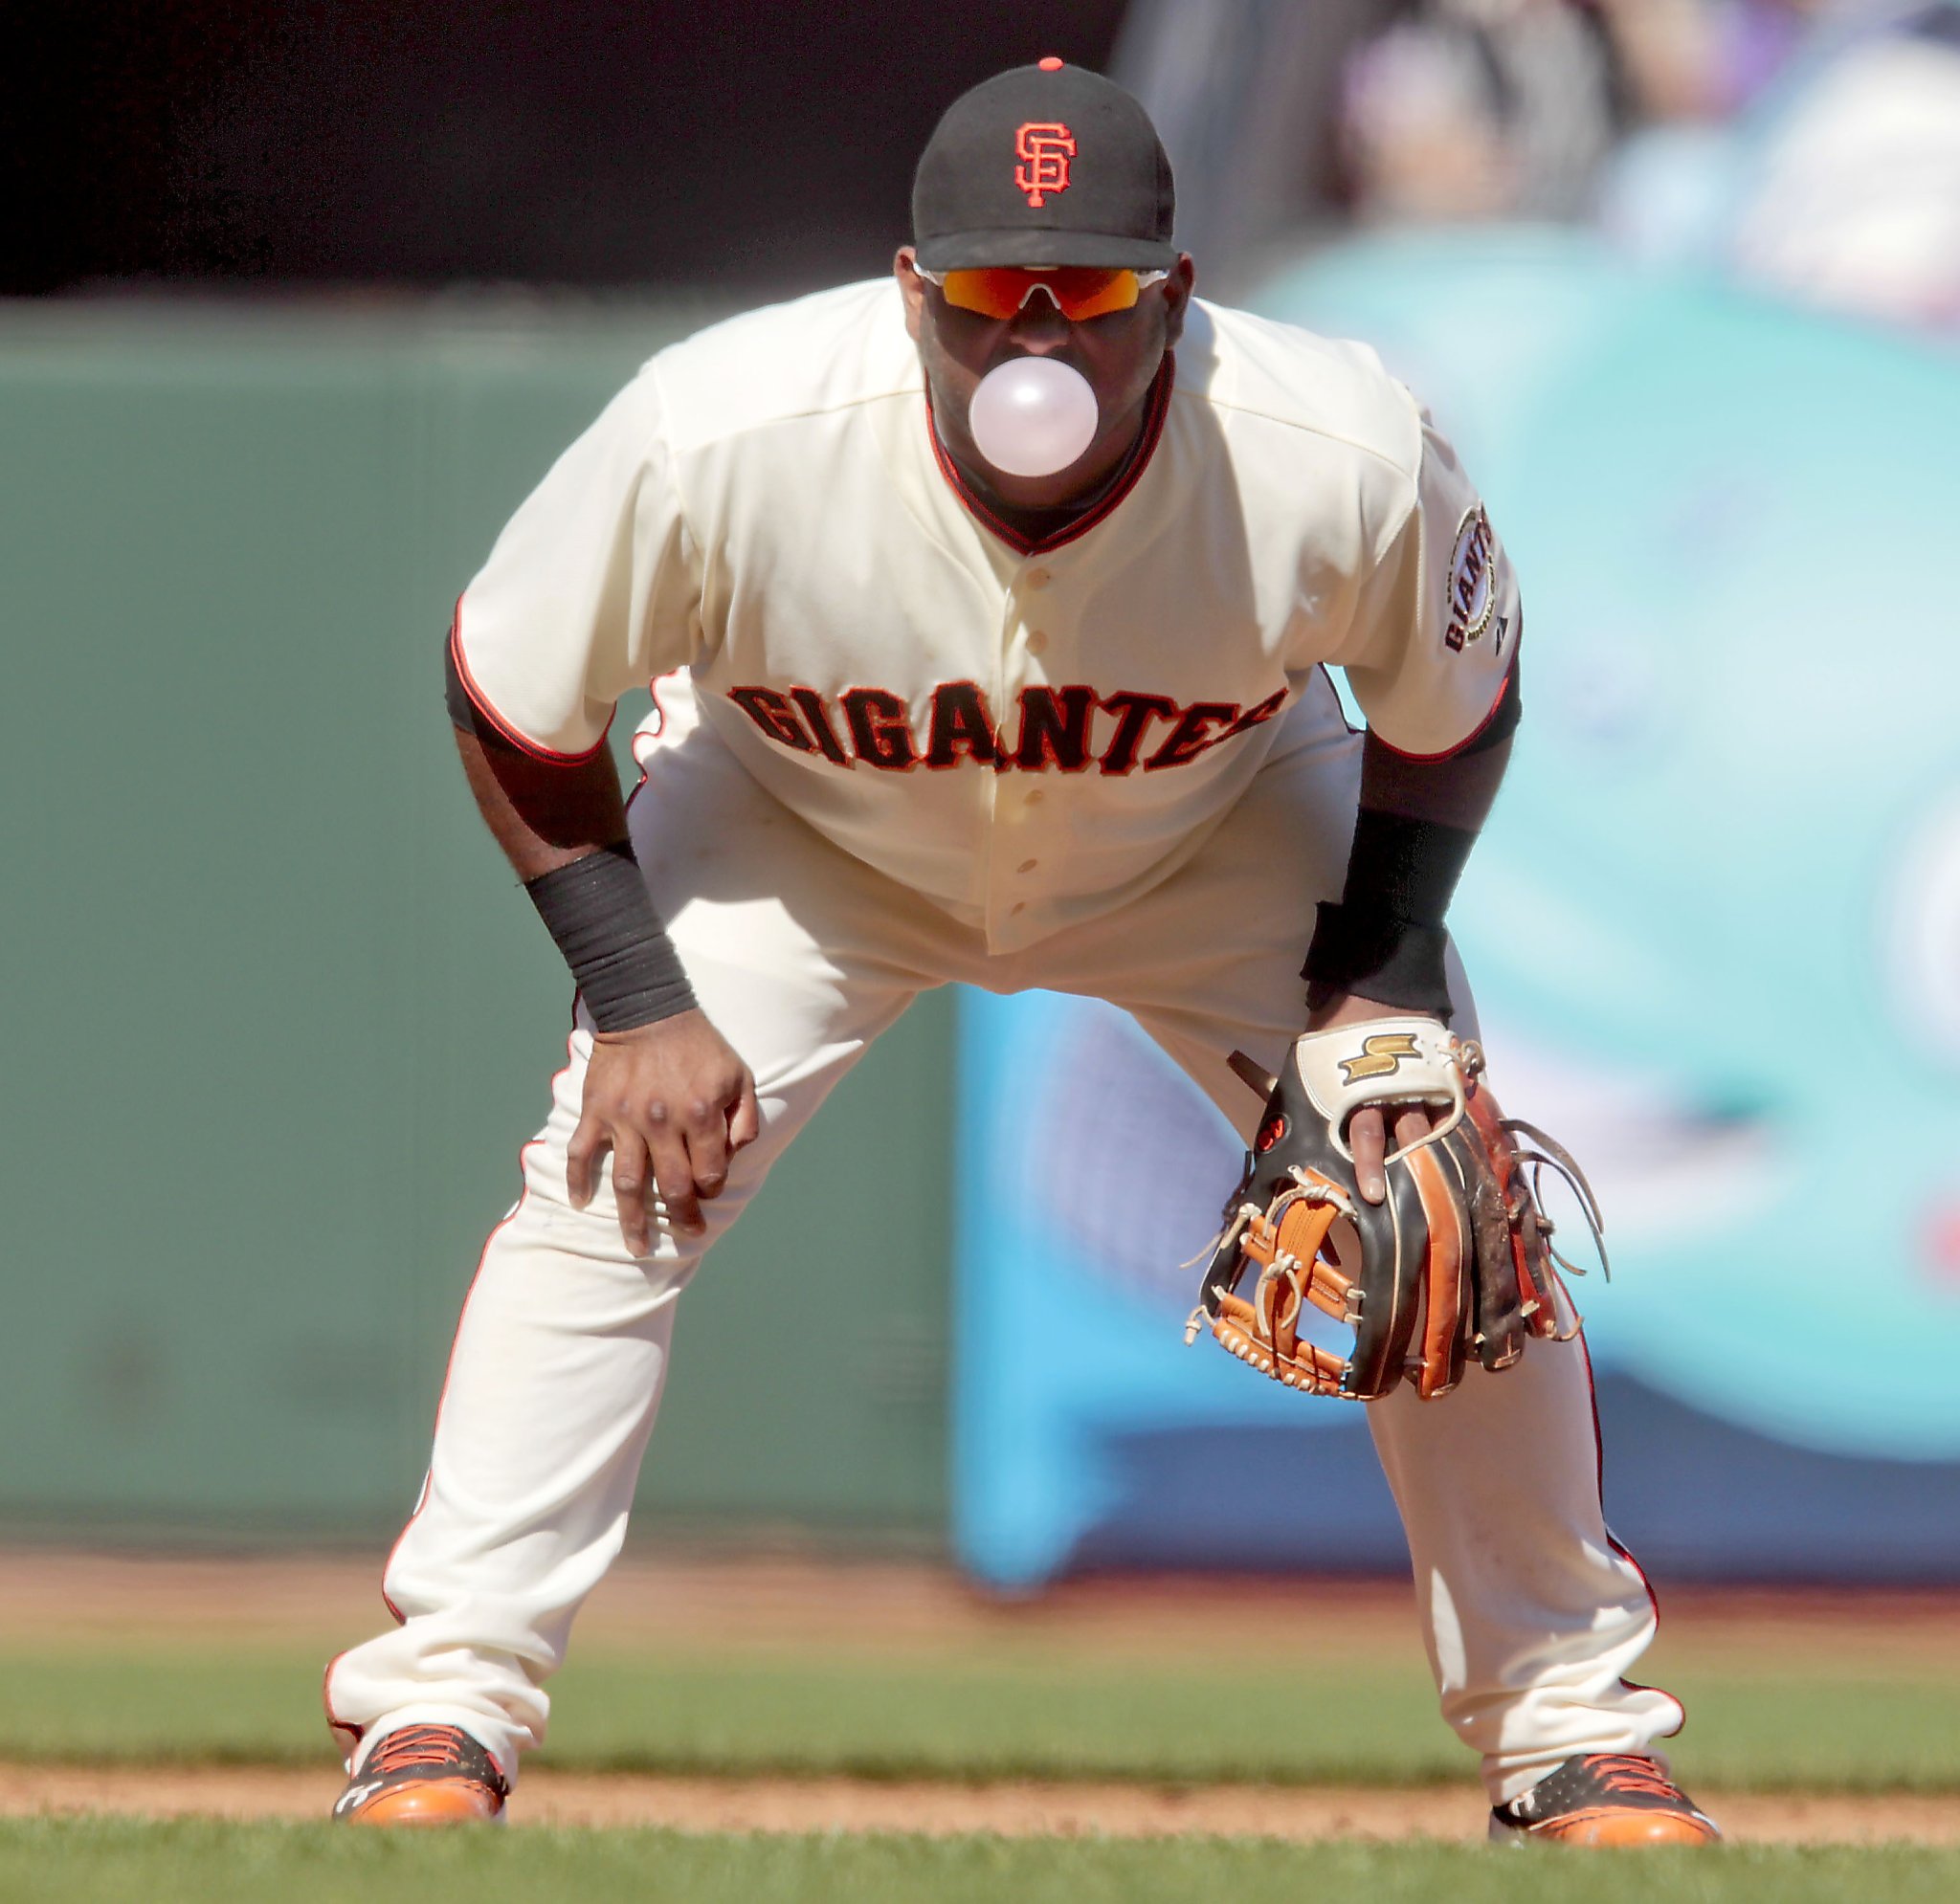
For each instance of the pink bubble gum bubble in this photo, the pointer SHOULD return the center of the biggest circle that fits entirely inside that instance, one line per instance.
(1032, 416)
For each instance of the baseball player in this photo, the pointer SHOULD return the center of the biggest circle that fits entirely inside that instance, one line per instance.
(1017, 677)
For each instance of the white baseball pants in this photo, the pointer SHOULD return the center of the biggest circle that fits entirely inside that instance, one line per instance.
(802, 955)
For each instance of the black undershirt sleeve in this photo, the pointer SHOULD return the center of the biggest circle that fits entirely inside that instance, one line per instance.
(1503, 722)
(463, 713)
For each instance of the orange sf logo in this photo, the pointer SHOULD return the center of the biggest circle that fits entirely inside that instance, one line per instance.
(1380, 1055)
(1044, 151)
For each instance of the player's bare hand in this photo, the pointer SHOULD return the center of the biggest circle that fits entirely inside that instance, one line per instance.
(1368, 1129)
(673, 1103)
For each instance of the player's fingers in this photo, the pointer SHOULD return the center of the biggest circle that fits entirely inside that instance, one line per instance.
(632, 1174)
(1365, 1138)
(745, 1121)
(708, 1147)
(1411, 1126)
(675, 1175)
(589, 1142)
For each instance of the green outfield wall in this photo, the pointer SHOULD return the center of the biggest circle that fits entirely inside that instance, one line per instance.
(275, 1019)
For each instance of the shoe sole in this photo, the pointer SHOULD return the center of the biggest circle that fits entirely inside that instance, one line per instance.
(1612, 1827)
(426, 1802)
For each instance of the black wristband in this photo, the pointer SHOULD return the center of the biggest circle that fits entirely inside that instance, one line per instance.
(598, 915)
(1392, 961)
(1385, 939)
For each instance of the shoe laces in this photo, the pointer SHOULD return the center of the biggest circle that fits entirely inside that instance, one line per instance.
(414, 1745)
(1629, 1773)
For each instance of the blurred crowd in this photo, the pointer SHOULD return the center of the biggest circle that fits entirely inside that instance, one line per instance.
(1811, 145)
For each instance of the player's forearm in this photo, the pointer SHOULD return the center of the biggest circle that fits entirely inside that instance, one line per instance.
(545, 814)
(1385, 940)
(562, 825)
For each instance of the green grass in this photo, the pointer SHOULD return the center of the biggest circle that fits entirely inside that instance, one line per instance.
(900, 1717)
(102, 1862)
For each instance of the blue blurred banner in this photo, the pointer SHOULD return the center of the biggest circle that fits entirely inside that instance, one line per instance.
(1714, 929)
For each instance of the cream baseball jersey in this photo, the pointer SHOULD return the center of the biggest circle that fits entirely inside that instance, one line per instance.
(1024, 733)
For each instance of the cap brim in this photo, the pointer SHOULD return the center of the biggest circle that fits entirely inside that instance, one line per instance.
(971, 251)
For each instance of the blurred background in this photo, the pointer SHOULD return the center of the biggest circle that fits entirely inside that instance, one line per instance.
(300, 301)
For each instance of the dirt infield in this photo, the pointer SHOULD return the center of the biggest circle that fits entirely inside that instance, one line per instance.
(800, 1604)
(1008, 1810)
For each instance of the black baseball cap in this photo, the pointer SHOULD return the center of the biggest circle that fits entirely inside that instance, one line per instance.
(1043, 164)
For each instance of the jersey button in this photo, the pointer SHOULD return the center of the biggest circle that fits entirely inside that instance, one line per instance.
(1018, 906)
(1035, 797)
(1038, 578)
(1037, 641)
(1027, 866)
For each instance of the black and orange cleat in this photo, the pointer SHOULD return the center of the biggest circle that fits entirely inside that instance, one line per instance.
(424, 1775)
(1604, 1798)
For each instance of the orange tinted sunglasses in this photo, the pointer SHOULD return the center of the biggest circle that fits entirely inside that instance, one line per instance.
(1079, 290)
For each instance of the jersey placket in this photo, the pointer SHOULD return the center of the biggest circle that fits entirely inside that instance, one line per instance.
(1020, 870)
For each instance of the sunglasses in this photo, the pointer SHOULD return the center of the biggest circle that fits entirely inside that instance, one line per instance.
(1078, 291)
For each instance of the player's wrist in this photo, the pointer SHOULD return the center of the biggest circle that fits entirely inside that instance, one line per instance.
(1376, 956)
(652, 1031)
(599, 917)
(1385, 938)
(1334, 1009)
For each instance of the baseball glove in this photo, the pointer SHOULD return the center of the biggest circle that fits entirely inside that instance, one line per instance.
(1455, 1261)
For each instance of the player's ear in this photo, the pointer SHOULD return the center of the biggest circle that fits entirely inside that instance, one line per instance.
(911, 287)
(1177, 291)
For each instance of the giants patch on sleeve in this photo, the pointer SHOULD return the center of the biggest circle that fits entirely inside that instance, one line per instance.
(1472, 585)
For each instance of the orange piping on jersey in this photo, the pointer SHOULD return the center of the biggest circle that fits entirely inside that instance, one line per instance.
(345, 1731)
(659, 716)
(1156, 409)
(481, 701)
(1612, 1542)
(1450, 753)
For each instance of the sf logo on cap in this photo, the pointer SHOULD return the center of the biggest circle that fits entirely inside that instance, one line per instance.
(1044, 150)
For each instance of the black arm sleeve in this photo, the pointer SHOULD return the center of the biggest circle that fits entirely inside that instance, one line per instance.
(1503, 721)
(464, 714)
(1385, 939)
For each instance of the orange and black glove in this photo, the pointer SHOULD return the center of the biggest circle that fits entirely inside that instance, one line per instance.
(1455, 1261)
